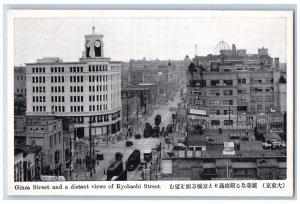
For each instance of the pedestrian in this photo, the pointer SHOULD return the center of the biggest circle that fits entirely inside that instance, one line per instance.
(104, 172)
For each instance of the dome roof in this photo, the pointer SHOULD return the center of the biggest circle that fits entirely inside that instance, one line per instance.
(222, 45)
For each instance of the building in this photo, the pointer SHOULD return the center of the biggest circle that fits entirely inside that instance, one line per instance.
(227, 90)
(27, 163)
(20, 80)
(247, 161)
(47, 133)
(19, 131)
(88, 90)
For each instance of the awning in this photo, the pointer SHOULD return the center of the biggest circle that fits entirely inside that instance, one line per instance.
(244, 165)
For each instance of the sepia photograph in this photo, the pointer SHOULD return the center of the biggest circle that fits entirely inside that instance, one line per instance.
(152, 97)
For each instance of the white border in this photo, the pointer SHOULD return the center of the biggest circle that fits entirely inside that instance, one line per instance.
(288, 191)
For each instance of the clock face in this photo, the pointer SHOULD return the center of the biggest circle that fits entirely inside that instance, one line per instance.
(97, 43)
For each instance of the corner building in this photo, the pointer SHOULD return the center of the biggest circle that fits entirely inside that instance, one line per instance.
(88, 90)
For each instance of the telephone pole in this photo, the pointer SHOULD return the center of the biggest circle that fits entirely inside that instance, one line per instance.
(90, 137)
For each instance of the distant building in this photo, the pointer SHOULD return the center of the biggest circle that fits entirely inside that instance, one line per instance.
(88, 90)
(224, 91)
(248, 162)
(20, 131)
(20, 80)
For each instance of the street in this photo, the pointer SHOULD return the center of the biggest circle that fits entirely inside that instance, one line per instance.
(142, 144)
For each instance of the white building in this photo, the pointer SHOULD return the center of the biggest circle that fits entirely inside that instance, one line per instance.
(88, 90)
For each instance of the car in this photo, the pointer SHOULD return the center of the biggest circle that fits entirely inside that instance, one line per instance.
(266, 145)
(137, 136)
(99, 156)
(129, 143)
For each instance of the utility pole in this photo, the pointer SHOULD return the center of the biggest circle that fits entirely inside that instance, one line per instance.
(229, 120)
(90, 137)
(127, 113)
(137, 113)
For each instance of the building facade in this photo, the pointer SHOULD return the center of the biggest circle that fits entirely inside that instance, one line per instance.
(47, 133)
(88, 90)
(226, 91)
(20, 80)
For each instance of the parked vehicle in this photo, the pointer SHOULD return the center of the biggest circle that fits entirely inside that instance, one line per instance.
(155, 132)
(137, 136)
(147, 130)
(99, 156)
(133, 160)
(148, 155)
(129, 143)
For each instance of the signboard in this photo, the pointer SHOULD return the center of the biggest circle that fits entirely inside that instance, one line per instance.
(198, 154)
(189, 154)
(198, 112)
(52, 178)
(276, 119)
(181, 154)
(228, 148)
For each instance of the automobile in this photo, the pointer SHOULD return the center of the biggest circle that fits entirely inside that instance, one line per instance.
(172, 108)
(137, 136)
(99, 156)
(129, 143)
(170, 128)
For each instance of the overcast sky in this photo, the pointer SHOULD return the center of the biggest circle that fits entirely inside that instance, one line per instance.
(135, 38)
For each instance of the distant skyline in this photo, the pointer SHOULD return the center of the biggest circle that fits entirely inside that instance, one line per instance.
(135, 38)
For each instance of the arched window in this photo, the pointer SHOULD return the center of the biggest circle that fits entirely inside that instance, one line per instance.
(97, 48)
(88, 47)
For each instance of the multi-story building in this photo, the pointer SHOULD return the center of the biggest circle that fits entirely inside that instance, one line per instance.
(88, 90)
(27, 163)
(47, 133)
(20, 80)
(226, 90)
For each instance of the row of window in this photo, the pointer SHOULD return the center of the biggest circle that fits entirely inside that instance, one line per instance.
(116, 115)
(76, 108)
(39, 108)
(97, 107)
(76, 79)
(76, 89)
(57, 99)
(38, 79)
(260, 80)
(218, 122)
(21, 91)
(57, 89)
(98, 88)
(97, 78)
(38, 99)
(217, 92)
(259, 98)
(259, 89)
(97, 68)
(38, 89)
(58, 108)
(98, 98)
(38, 70)
(57, 69)
(57, 79)
(76, 69)
(76, 98)
(21, 78)
(218, 112)
(212, 102)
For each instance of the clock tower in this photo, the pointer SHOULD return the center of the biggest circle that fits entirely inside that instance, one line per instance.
(93, 45)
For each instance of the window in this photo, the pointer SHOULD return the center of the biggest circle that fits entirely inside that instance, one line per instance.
(33, 79)
(256, 80)
(255, 98)
(269, 80)
(214, 82)
(71, 108)
(258, 89)
(33, 99)
(198, 102)
(228, 92)
(214, 103)
(227, 102)
(228, 122)
(215, 112)
(269, 89)
(51, 141)
(215, 122)
(44, 98)
(269, 98)
(227, 82)
(33, 70)
(214, 92)
(242, 81)
(227, 112)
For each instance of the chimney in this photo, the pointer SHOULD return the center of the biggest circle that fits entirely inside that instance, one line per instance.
(276, 63)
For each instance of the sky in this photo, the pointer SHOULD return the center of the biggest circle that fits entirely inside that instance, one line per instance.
(134, 38)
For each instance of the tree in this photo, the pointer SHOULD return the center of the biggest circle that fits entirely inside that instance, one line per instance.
(192, 69)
